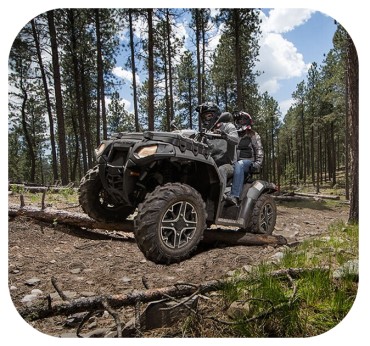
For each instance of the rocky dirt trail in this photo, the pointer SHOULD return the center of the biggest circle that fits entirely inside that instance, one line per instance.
(96, 262)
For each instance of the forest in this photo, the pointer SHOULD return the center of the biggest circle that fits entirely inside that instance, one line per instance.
(60, 80)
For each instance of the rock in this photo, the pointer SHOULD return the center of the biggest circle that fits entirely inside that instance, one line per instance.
(161, 314)
(98, 333)
(32, 282)
(348, 268)
(87, 294)
(75, 270)
(238, 309)
(248, 268)
(277, 257)
(29, 298)
(126, 279)
(68, 294)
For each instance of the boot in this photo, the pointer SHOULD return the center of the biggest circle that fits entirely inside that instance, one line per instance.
(231, 200)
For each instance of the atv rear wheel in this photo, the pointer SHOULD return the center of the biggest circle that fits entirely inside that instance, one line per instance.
(170, 223)
(94, 200)
(264, 215)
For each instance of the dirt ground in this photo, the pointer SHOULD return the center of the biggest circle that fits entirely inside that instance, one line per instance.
(96, 263)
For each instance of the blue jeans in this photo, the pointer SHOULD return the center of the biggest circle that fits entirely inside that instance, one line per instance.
(240, 168)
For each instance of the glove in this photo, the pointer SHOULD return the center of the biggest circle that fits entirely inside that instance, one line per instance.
(223, 134)
(255, 167)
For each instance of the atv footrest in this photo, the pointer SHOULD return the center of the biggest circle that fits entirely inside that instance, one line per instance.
(230, 222)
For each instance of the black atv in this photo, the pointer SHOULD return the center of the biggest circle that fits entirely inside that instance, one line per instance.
(170, 183)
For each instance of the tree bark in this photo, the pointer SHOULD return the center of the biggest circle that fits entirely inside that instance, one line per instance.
(133, 69)
(169, 66)
(101, 87)
(150, 71)
(58, 99)
(48, 103)
(77, 84)
(353, 129)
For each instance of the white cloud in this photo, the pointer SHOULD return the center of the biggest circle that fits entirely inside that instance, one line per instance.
(128, 105)
(279, 58)
(285, 105)
(125, 102)
(125, 74)
(281, 20)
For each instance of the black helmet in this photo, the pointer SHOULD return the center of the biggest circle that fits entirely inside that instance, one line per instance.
(243, 121)
(209, 113)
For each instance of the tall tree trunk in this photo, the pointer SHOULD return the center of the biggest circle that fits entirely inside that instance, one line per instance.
(166, 95)
(151, 71)
(312, 155)
(353, 129)
(75, 159)
(190, 104)
(273, 149)
(86, 118)
(318, 159)
(347, 132)
(169, 66)
(48, 103)
(101, 87)
(334, 154)
(203, 28)
(133, 69)
(77, 83)
(199, 75)
(304, 147)
(238, 72)
(26, 133)
(58, 100)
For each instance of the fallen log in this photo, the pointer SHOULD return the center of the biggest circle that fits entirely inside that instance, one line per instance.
(95, 303)
(228, 237)
(316, 195)
(39, 189)
(52, 215)
(223, 236)
(291, 198)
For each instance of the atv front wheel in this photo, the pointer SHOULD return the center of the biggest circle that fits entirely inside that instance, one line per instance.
(264, 215)
(170, 223)
(94, 200)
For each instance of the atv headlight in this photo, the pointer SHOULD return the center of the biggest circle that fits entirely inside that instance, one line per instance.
(100, 149)
(146, 151)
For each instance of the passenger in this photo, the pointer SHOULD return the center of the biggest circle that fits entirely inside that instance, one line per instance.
(250, 156)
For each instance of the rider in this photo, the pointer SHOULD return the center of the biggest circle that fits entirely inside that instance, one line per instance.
(225, 156)
(250, 155)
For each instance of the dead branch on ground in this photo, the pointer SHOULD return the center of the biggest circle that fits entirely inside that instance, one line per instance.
(95, 303)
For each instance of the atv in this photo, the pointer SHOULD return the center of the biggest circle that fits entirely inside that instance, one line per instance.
(169, 183)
